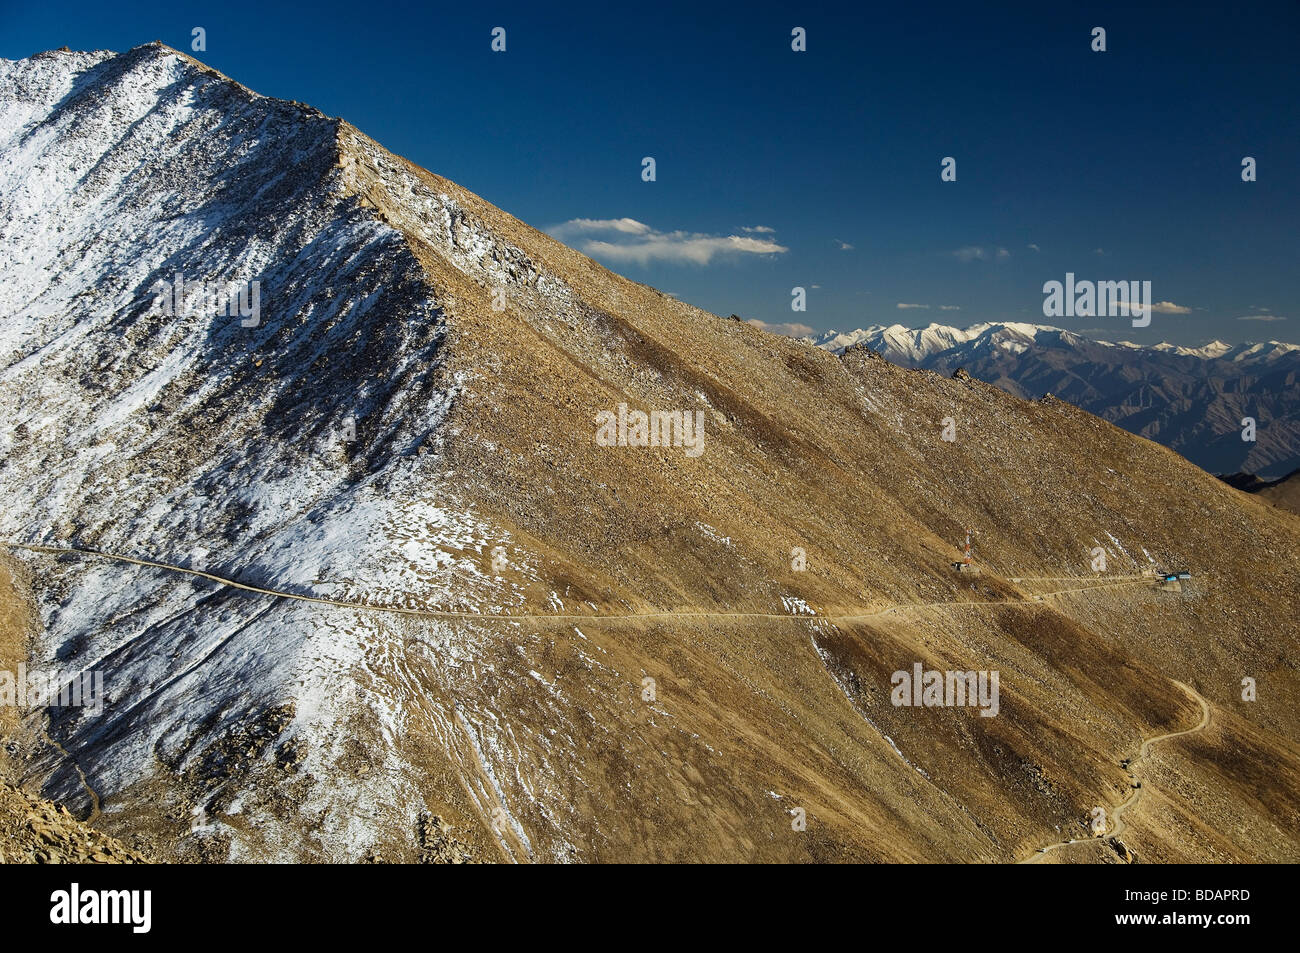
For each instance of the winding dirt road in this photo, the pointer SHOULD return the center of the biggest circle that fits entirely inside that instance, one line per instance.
(1117, 813)
(1110, 582)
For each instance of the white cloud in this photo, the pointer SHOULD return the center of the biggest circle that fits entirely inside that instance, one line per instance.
(1032, 247)
(790, 329)
(627, 240)
(627, 226)
(903, 306)
(1263, 316)
(949, 307)
(759, 229)
(980, 253)
(844, 246)
(1161, 307)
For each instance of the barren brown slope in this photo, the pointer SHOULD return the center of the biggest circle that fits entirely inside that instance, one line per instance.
(1285, 493)
(842, 457)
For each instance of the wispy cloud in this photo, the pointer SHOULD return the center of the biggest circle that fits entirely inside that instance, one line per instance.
(844, 246)
(627, 226)
(790, 329)
(904, 306)
(758, 229)
(981, 253)
(1160, 307)
(1032, 247)
(949, 307)
(627, 240)
(1261, 317)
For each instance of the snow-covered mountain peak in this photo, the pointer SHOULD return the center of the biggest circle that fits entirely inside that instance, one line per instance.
(262, 443)
(899, 342)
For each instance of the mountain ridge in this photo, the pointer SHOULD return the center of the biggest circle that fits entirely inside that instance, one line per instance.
(243, 726)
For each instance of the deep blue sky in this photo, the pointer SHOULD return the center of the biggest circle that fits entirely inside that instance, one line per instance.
(1116, 165)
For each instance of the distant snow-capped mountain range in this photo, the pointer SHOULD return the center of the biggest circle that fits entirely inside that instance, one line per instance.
(902, 344)
(1191, 399)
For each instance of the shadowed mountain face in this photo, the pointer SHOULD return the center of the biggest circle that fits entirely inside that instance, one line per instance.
(701, 663)
(1192, 400)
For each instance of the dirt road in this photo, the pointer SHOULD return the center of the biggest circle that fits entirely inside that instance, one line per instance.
(1117, 813)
